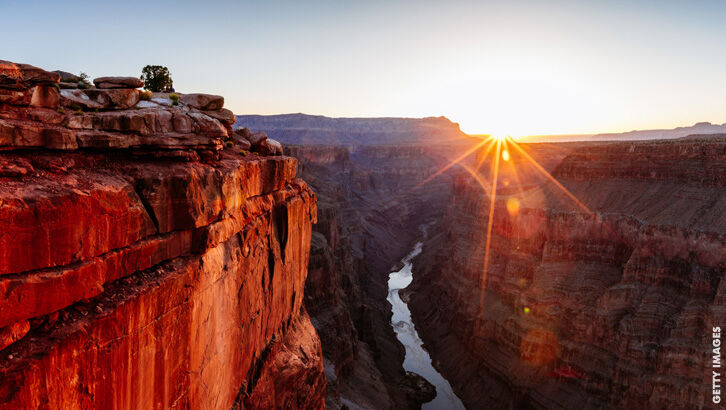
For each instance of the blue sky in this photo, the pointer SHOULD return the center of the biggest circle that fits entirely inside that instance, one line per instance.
(516, 67)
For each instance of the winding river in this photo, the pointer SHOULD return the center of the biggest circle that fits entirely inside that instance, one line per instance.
(417, 358)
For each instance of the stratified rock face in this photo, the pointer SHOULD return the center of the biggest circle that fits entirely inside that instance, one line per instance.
(302, 129)
(613, 308)
(370, 201)
(133, 282)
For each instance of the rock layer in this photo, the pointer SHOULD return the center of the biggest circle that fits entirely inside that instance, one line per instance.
(128, 281)
(606, 307)
(371, 199)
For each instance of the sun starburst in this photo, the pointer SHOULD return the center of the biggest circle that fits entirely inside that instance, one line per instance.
(494, 149)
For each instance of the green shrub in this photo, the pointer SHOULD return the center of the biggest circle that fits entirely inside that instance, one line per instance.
(146, 95)
(243, 152)
(156, 78)
(174, 97)
(229, 144)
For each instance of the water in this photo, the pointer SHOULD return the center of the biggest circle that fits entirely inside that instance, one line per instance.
(417, 358)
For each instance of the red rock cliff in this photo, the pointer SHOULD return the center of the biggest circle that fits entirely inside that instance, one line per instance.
(580, 310)
(142, 265)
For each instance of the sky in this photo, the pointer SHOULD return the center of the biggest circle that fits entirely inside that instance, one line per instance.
(504, 67)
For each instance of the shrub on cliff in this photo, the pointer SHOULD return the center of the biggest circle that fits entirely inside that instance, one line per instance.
(84, 83)
(156, 78)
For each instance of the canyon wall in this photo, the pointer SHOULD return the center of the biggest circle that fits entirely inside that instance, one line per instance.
(149, 256)
(609, 304)
(371, 200)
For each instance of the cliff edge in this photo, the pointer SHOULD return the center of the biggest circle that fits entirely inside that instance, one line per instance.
(149, 257)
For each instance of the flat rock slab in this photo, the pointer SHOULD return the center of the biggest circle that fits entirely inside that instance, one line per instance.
(117, 82)
(224, 115)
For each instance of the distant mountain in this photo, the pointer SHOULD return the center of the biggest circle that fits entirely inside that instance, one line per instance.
(303, 129)
(700, 128)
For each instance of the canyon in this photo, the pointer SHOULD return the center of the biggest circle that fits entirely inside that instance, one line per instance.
(160, 252)
(370, 204)
(376, 182)
(604, 304)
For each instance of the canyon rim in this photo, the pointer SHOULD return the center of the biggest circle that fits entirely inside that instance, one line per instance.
(362, 205)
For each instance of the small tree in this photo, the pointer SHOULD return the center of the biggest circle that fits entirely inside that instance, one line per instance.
(84, 81)
(156, 78)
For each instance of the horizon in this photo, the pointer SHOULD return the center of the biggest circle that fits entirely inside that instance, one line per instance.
(520, 138)
(496, 68)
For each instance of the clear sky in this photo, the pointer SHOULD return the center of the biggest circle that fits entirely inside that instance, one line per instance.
(516, 67)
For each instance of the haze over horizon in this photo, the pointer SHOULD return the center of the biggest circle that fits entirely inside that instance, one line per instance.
(524, 68)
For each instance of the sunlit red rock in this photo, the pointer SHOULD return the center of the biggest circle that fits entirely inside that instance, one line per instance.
(153, 270)
(206, 102)
(17, 76)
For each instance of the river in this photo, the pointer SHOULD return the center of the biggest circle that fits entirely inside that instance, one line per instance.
(417, 358)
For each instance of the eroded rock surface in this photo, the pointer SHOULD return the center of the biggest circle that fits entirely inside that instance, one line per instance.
(580, 309)
(145, 264)
(371, 201)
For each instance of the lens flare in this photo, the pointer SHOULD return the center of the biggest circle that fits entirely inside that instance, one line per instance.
(502, 144)
(513, 206)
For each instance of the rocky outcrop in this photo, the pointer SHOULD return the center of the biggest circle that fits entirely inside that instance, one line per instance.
(133, 281)
(608, 308)
(36, 114)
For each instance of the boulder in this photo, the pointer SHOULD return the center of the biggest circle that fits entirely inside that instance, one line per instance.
(207, 126)
(206, 102)
(45, 96)
(241, 142)
(244, 133)
(257, 137)
(276, 146)
(224, 115)
(117, 82)
(16, 76)
(268, 147)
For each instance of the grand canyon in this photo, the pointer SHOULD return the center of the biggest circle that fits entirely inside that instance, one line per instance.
(209, 267)
(362, 205)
